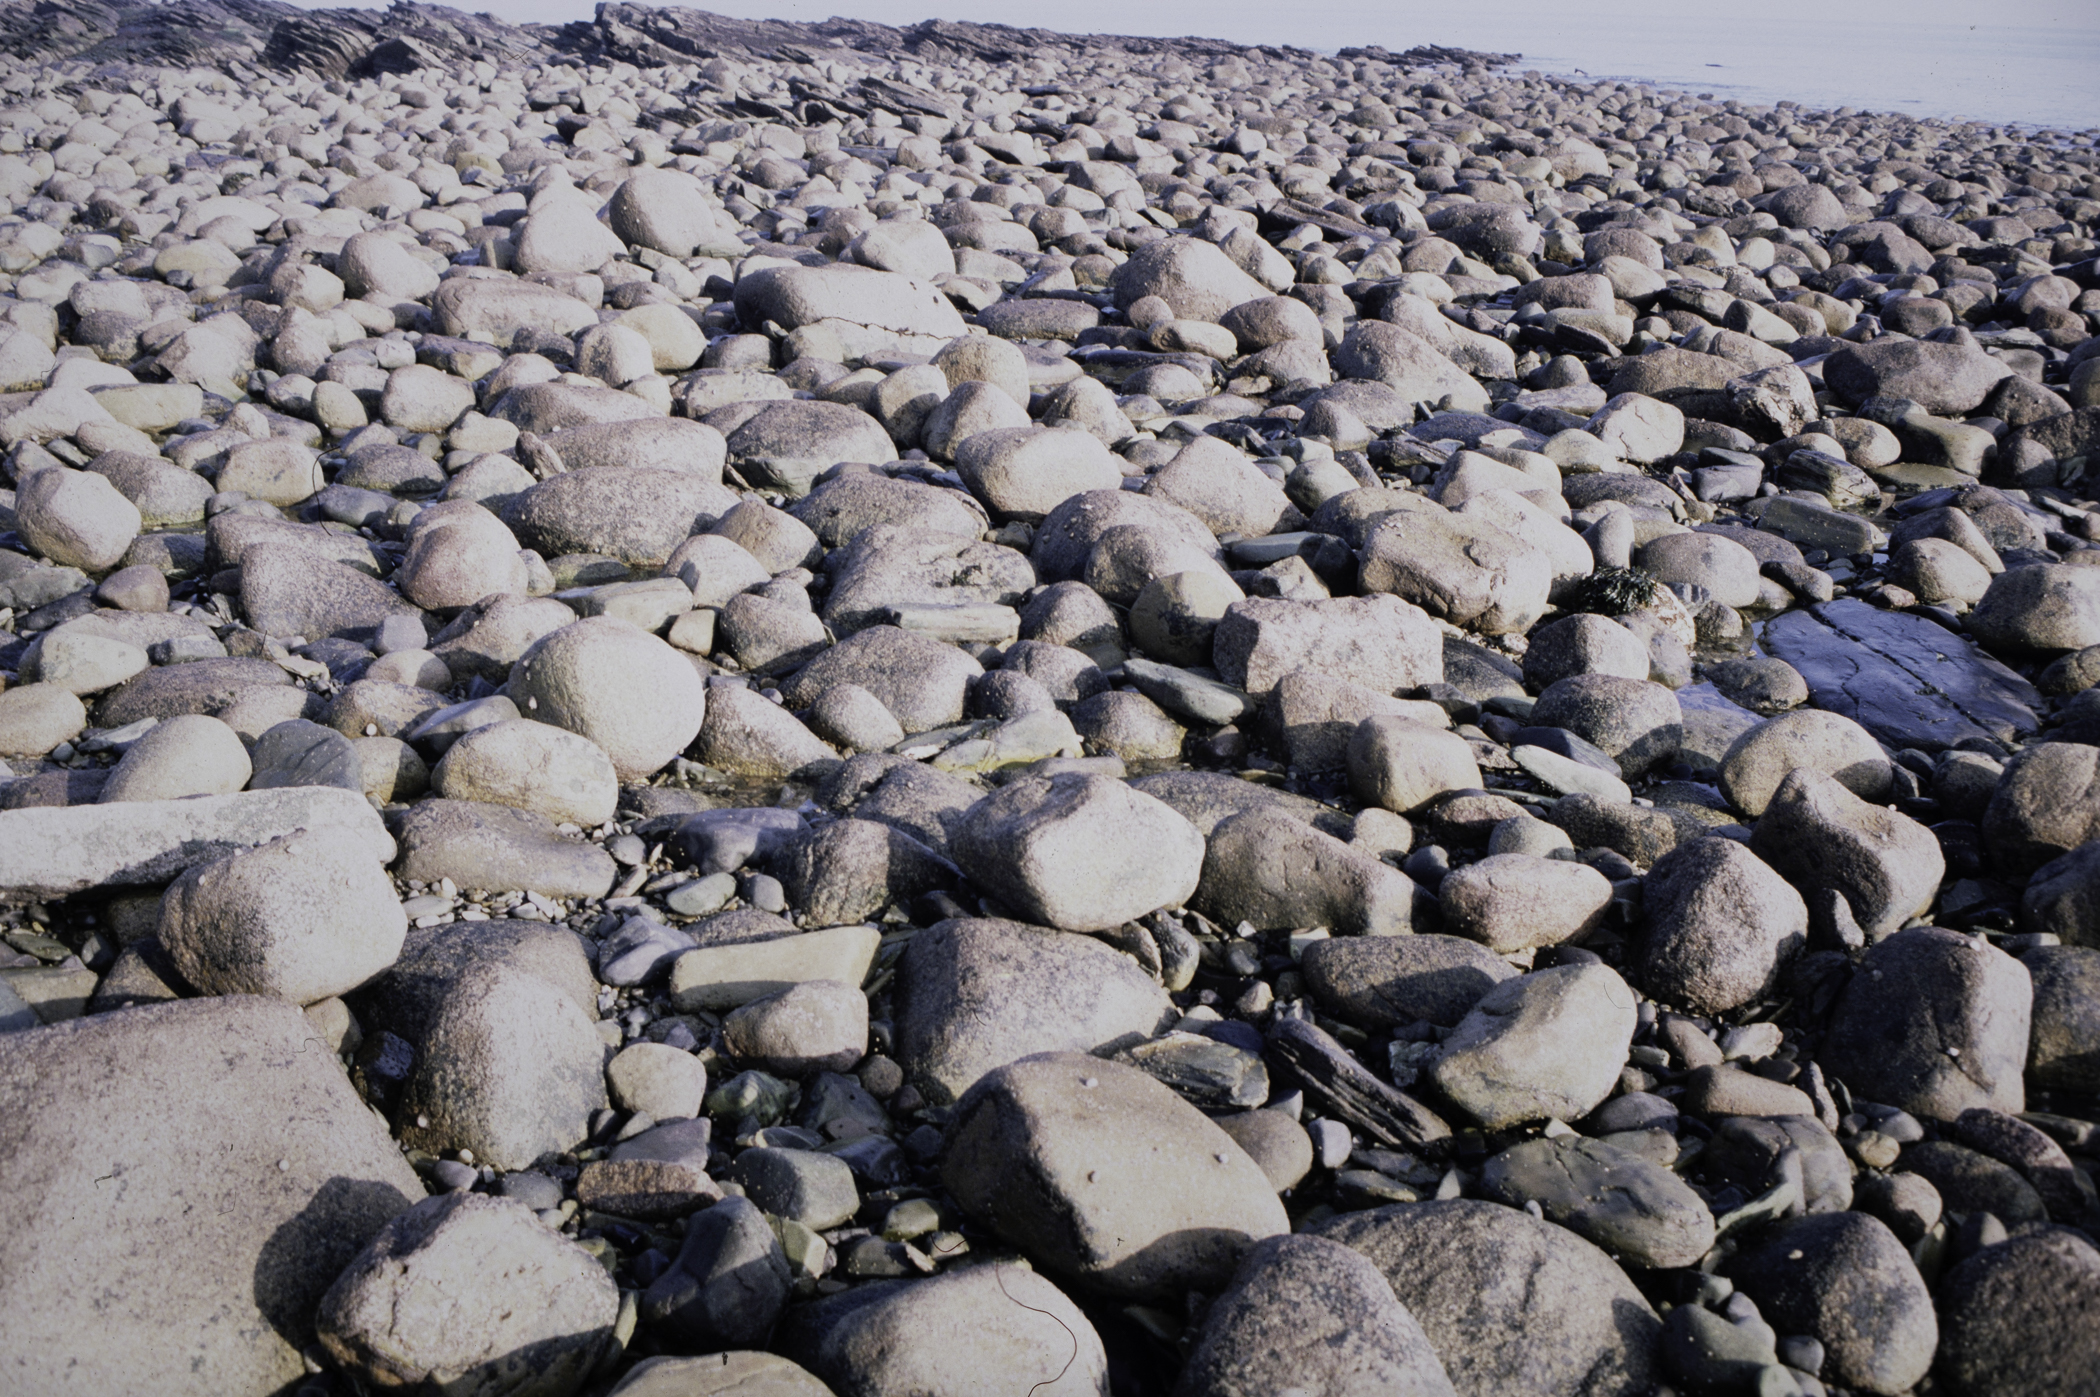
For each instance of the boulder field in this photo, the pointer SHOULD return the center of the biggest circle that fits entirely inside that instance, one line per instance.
(694, 706)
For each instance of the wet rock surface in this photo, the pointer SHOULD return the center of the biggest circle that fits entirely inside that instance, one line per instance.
(708, 705)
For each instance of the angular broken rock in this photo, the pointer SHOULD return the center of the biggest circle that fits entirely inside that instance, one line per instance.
(1347, 1090)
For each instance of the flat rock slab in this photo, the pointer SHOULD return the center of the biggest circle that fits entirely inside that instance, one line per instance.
(1909, 681)
(48, 853)
(174, 1236)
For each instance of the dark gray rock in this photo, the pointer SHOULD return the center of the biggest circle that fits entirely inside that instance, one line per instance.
(200, 686)
(1628, 1205)
(1708, 1354)
(2022, 1319)
(1387, 981)
(1933, 1022)
(1721, 926)
(1207, 798)
(728, 1285)
(1828, 842)
(1844, 1280)
(1758, 1155)
(2039, 1159)
(1906, 679)
(1969, 1181)
(850, 870)
(299, 753)
(1104, 1175)
(813, 1189)
(2046, 805)
(2064, 1045)
(910, 796)
(1635, 722)
(1942, 378)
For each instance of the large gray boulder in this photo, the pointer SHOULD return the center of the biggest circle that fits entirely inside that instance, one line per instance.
(1844, 1280)
(1967, 1049)
(2064, 1044)
(496, 848)
(1827, 742)
(792, 297)
(1628, 1204)
(1829, 843)
(1381, 642)
(1265, 867)
(1193, 277)
(298, 918)
(1510, 1303)
(509, 1067)
(1387, 981)
(1457, 567)
(1081, 853)
(1545, 1045)
(608, 680)
(1943, 378)
(974, 994)
(225, 1175)
(945, 1336)
(1106, 1177)
(638, 514)
(921, 682)
(2016, 1320)
(1721, 925)
(473, 1293)
(1308, 1314)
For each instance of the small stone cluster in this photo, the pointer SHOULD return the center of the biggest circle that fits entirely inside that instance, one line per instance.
(695, 707)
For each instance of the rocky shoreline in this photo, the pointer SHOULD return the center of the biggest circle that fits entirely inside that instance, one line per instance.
(697, 706)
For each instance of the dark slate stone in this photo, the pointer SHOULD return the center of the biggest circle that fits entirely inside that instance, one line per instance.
(299, 753)
(1905, 679)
